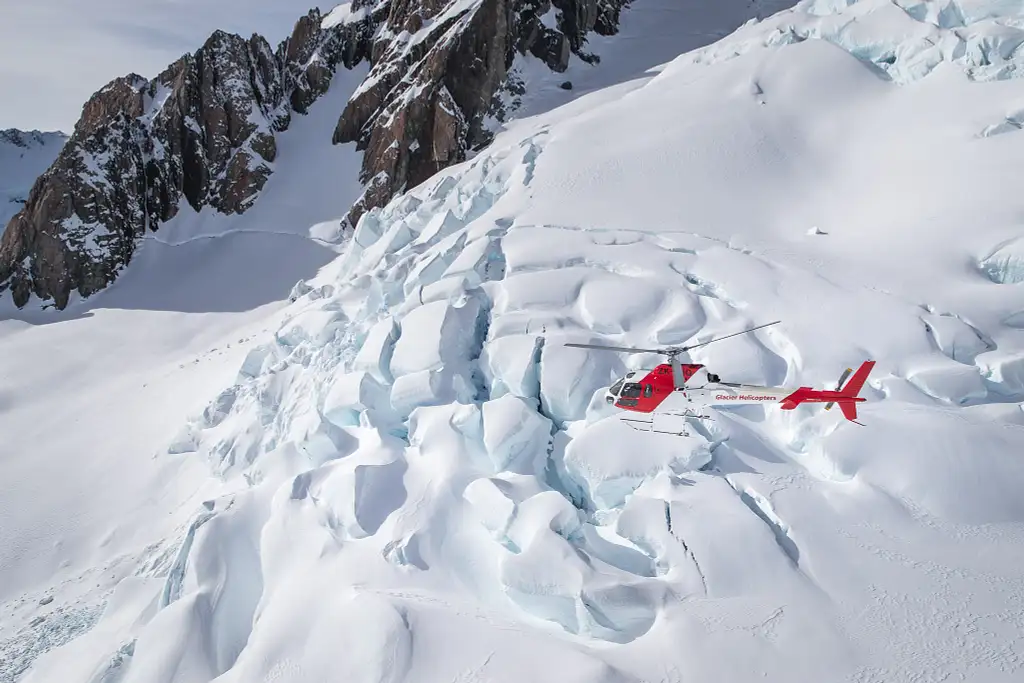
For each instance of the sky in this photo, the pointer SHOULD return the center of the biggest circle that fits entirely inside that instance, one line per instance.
(55, 53)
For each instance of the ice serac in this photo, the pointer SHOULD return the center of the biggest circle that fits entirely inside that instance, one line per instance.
(595, 460)
(1005, 265)
(441, 69)
(202, 132)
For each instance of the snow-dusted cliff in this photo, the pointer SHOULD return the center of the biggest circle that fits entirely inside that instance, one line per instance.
(23, 158)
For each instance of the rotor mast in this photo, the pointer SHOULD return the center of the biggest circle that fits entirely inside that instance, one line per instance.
(678, 379)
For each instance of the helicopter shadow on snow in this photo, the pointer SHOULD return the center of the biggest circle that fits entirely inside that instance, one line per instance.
(737, 445)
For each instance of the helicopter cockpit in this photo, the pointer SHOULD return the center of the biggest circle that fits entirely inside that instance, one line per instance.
(641, 384)
(628, 389)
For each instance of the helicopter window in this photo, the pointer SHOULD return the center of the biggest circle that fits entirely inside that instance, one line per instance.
(615, 387)
(627, 402)
(648, 390)
(631, 390)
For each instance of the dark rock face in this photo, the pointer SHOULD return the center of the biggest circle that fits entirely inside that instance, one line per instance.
(24, 155)
(437, 68)
(202, 131)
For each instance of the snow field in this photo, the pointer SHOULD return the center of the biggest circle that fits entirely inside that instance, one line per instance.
(95, 493)
(904, 39)
(422, 483)
(399, 425)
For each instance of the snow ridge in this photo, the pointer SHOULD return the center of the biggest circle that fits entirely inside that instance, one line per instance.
(904, 39)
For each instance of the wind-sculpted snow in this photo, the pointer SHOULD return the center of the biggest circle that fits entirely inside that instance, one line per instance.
(1005, 265)
(595, 459)
(410, 416)
(905, 40)
(420, 482)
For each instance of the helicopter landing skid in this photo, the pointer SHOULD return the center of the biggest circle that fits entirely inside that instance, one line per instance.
(673, 424)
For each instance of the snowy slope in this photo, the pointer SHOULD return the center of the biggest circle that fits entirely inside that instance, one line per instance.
(89, 396)
(414, 480)
(650, 33)
(23, 157)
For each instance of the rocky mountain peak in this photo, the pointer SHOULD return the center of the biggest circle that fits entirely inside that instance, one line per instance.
(205, 129)
(437, 68)
(202, 131)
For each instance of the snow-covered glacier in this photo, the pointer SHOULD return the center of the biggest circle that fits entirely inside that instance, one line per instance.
(416, 480)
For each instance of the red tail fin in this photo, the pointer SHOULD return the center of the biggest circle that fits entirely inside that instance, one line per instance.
(846, 396)
(855, 384)
(852, 388)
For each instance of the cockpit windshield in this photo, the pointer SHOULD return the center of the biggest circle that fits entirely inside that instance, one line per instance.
(631, 390)
(615, 387)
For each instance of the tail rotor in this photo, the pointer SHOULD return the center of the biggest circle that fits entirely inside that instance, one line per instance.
(849, 400)
(839, 386)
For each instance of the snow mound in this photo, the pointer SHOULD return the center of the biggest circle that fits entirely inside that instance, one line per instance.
(1005, 265)
(595, 460)
(1006, 370)
(515, 435)
(949, 381)
(1011, 122)
(903, 40)
(956, 338)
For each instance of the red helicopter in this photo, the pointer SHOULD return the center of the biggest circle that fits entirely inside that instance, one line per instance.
(687, 389)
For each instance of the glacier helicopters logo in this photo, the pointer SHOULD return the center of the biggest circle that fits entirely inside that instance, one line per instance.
(745, 397)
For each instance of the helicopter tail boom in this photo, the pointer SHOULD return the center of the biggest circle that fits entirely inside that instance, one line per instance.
(847, 397)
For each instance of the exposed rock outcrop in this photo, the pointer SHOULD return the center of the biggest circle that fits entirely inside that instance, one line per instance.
(437, 70)
(24, 155)
(202, 131)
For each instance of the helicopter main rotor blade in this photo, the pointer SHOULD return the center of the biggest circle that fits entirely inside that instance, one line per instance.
(614, 348)
(712, 341)
(672, 351)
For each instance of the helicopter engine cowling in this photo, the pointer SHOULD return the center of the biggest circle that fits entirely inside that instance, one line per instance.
(699, 378)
